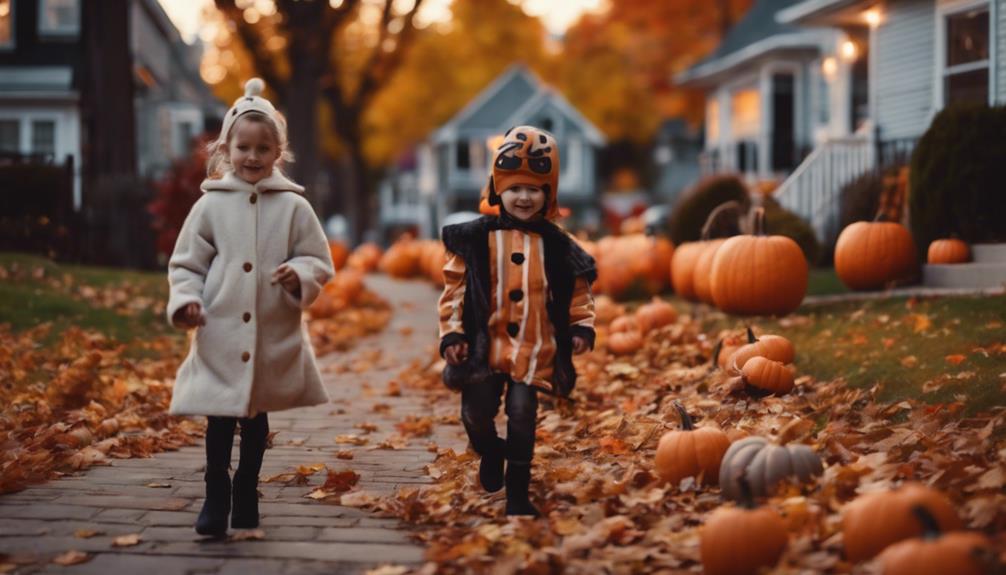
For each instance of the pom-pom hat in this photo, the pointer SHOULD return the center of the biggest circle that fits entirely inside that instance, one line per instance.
(252, 101)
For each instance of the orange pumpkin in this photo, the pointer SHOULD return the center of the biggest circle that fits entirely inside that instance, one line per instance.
(624, 342)
(758, 274)
(949, 251)
(702, 277)
(960, 553)
(657, 273)
(742, 540)
(869, 255)
(767, 376)
(339, 252)
(606, 310)
(626, 323)
(774, 347)
(683, 269)
(876, 520)
(724, 349)
(655, 314)
(690, 452)
(402, 258)
(365, 257)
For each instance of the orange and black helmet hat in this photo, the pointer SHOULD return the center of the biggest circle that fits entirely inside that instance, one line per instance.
(527, 156)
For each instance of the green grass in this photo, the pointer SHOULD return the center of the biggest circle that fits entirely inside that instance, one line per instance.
(902, 345)
(27, 300)
(824, 281)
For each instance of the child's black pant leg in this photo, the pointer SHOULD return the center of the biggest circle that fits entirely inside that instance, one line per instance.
(522, 419)
(219, 442)
(480, 402)
(254, 434)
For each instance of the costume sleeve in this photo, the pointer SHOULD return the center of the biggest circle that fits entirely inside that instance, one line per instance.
(452, 301)
(310, 258)
(581, 311)
(194, 252)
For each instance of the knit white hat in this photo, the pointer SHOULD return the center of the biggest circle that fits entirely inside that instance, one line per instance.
(252, 101)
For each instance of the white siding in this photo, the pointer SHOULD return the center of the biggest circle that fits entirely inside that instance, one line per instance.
(1000, 32)
(905, 60)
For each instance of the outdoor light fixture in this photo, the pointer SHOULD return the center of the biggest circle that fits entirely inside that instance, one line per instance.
(872, 17)
(849, 51)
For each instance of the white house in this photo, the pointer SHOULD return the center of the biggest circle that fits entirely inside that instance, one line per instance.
(447, 172)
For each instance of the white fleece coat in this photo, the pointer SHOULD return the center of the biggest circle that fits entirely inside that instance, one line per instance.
(253, 354)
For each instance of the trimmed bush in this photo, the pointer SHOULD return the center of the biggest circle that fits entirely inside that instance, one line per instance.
(957, 177)
(860, 198)
(782, 222)
(691, 211)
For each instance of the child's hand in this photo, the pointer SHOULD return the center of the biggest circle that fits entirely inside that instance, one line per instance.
(287, 278)
(189, 316)
(579, 345)
(457, 353)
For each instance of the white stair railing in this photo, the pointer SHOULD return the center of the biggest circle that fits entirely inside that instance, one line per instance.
(813, 190)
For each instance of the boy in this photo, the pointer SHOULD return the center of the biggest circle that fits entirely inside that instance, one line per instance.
(516, 306)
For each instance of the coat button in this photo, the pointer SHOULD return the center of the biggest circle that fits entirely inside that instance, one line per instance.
(517, 258)
(516, 295)
(248, 266)
(513, 329)
(253, 198)
(245, 357)
(246, 317)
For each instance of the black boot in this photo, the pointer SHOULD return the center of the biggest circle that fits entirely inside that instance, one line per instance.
(518, 479)
(491, 467)
(212, 518)
(254, 433)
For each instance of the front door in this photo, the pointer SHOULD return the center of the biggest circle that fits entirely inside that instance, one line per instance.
(783, 122)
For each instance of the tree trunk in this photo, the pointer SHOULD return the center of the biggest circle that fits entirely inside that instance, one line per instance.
(353, 186)
(307, 57)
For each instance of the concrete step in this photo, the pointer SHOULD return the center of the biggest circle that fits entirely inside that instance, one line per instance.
(973, 275)
(988, 253)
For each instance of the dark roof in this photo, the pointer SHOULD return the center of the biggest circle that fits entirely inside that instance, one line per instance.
(759, 23)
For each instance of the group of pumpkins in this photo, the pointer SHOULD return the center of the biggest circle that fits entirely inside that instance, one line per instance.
(631, 264)
(753, 274)
(913, 529)
(762, 365)
(624, 334)
(345, 288)
(412, 258)
(872, 255)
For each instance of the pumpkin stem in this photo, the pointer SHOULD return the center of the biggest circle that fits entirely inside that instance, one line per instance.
(930, 526)
(686, 420)
(717, 349)
(751, 335)
(716, 214)
(759, 221)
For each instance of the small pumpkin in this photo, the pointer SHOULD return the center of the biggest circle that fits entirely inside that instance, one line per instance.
(625, 323)
(874, 521)
(365, 257)
(690, 451)
(655, 314)
(936, 553)
(948, 251)
(401, 260)
(742, 540)
(606, 310)
(339, 253)
(625, 342)
(764, 376)
(774, 347)
(758, 274)
(766, 465)
(869, 255)
(724, 349)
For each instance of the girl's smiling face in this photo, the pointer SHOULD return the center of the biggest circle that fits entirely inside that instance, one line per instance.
(252, 150)
(523, 202)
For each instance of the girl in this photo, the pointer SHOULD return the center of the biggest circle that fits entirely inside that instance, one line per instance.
(250, 256)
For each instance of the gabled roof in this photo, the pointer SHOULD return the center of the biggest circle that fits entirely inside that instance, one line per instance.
(824, 13)
(757, 33)
(492, 109)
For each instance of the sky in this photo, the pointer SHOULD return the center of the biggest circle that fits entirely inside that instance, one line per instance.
(557, 15)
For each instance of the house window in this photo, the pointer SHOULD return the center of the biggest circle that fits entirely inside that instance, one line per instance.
(462, 153)
(59, 17)
(966, 76)
(745, 113)
(6, 24)
(10, 136)
(184, 132)
(43, 137)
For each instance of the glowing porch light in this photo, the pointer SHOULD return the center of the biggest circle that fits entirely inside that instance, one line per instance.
(872, 17)
(829, 66)
(849, 50)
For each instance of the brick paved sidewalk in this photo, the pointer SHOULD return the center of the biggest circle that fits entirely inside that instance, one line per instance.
(160, 497)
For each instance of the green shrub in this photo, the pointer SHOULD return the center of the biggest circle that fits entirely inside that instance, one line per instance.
(781, 222)
(693, 208)
(860, 198)
(957, 175)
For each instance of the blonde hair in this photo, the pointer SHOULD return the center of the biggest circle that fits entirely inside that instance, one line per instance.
(219, 161)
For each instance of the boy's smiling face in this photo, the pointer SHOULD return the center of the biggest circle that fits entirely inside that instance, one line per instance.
(523, 202)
